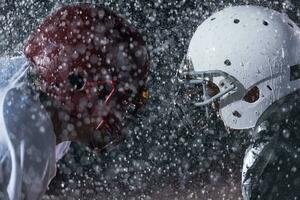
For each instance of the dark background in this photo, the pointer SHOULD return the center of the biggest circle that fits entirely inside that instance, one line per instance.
(172, 150)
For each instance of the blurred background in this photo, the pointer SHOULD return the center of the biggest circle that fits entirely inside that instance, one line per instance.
(172, 150)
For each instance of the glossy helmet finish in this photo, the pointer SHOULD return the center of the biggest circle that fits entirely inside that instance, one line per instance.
(92, 62)
(249, 57)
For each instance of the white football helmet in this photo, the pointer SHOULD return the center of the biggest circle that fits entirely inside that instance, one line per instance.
(246, 58)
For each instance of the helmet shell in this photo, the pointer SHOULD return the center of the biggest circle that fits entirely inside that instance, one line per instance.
(257, 47)
(79, 46)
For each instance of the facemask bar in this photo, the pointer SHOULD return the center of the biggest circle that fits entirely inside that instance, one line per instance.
(187, 75)
(104, 124)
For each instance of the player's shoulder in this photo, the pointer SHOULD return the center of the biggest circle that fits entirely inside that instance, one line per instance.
(10, 68)
(12, 62)
(280, 118)
(8, 59)
(19, 103)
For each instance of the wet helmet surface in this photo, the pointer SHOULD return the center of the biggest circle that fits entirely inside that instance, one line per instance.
(91, 62)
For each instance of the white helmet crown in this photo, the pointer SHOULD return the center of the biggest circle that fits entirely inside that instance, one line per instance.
(252, 54)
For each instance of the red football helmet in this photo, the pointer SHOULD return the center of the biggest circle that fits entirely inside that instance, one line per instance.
(93, 63)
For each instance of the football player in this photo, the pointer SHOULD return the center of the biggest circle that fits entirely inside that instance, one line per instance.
(246, 59)
(83, 70)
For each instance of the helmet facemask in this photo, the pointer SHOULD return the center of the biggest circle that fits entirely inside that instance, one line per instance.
(215, 84)
(218, 88)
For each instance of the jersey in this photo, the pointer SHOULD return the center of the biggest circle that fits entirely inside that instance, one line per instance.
(271, 164)
(28, 151)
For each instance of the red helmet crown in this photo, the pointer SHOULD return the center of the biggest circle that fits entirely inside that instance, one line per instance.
(92, 62)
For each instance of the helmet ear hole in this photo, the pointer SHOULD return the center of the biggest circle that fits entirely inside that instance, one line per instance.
(76, 81)
(252, 95)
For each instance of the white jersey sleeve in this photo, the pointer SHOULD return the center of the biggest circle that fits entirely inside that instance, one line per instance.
(27, 139)
(61, 149)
